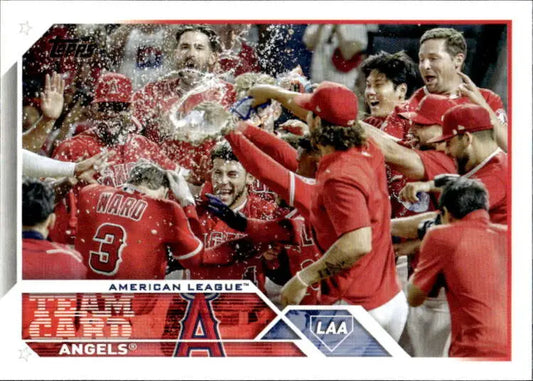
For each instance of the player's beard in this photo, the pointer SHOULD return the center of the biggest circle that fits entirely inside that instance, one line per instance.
(233, 198)
(112, 131)
(461, 163)
(239, 194)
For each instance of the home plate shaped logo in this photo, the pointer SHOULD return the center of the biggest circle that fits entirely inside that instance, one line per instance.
(331, 330)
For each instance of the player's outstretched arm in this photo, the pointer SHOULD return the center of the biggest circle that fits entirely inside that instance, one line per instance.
(343, 254)
(278, 149)
(51, 108)
(263, 93)
(407, 227)
(403, 159)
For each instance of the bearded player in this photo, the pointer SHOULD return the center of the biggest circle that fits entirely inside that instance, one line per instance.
(112, 129)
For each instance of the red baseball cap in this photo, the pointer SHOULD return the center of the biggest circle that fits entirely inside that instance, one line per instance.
(332, 102)
(463, 118)
(113, 87)
(430, 110)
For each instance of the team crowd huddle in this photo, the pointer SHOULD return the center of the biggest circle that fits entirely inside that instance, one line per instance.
(170, 152)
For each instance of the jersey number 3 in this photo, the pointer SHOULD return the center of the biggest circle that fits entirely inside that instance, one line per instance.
(112, 239)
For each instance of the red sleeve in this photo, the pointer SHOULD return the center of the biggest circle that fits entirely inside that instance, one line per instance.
(194, 220)
(260, 165)
(68, 151)
(493, 100)
(278, 149)
(185, 246)
(346, 206)
(496, 188)
(436, 163)
(429, 261)
(269, 231)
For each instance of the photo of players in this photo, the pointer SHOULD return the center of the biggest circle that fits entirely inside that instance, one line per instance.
(328, 164)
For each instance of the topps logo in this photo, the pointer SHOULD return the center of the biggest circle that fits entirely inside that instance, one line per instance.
(72, 47)
(101, 349)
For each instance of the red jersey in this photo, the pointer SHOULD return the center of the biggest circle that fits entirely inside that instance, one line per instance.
(493, 100)
(493, 173)
(436, 163)
(42, 259)
(296, 233)
(351, 193)
(87, 144)
(244, 61)
(157, 99)
(393, 124)
(216, 233)
(294, 189)
(125, 233)
(472, 255)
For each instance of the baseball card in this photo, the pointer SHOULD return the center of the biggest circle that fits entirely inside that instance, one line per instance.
(288, 190)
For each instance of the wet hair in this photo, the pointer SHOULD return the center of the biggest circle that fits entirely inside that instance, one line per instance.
(341, 138)
(463, 196)
(290, 138)
(212, 36)
(397, 67)
(149, 175)
(305, 143)
(223, 151)
(38, 200)
(455, 42)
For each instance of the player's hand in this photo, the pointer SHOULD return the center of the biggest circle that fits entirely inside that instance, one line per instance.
(198, 175)
(263, 93)
(410, 247)
(62, 187)
(180, 189)
(293, 292)
(234, 220)
(469, 89)
(295, 126)
(86, 169)
(410, 191)
(52, 96)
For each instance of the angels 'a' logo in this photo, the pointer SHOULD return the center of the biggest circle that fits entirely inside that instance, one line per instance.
(501, 115)
(113, 87)
(199, 334)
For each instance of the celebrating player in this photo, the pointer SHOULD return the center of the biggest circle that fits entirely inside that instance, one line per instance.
(441, 58)
(196, 56)
(42, 259)
(113, 130)
(124, 233)
(350, 215)
(471, 254)
(470, 139)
